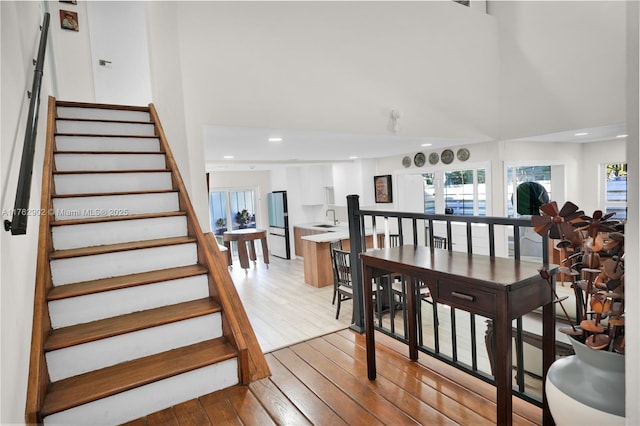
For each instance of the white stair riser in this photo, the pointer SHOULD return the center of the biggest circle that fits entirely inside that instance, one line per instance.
(86, 268)
(104, 128)
(111, 182)
(91, 356)
(85, 207)
(139, 402)
(98, 162)
(92, 307)
(106, 144)
(102, 114)
(120, 231)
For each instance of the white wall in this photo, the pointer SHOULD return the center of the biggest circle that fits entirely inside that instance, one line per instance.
(562, 65)
(70, 55)
(166, 86)
(632, 229)
(340, 66)
(20, 36)
(581, 164)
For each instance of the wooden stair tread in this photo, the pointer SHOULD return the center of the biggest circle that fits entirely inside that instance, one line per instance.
(98, 172)
(101, 106)
(99, 219)
(101, 329)
(75, 152)
(112, 248)
(99, 135)
(105, 194)
(102, 120)
(125, 281)
(94, 385)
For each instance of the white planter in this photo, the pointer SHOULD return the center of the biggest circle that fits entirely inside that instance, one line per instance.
(587, 388)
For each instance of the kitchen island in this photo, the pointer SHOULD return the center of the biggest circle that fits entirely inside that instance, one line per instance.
(316, 250)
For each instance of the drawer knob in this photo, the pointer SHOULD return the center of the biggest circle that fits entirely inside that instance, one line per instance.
(463, 296)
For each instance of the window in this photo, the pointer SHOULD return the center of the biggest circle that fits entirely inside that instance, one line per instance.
(218, 212)
(615, 189)
(429, 194)
(520, 174)
(235, 208)
(463, 192)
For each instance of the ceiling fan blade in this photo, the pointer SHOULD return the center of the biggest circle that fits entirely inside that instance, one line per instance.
(550, 208)
(568, 208)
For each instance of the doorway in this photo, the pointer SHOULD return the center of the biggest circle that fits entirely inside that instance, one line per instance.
(119, 52)
(231, 209)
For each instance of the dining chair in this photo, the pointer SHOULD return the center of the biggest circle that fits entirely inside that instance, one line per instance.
(439, 242)
(334, 245)
(342, 266)
(399, 287)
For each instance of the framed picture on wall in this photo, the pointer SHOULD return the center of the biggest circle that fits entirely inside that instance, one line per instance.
(68, 20)
(384, 192)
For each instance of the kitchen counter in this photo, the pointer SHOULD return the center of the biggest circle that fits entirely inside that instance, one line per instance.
(316, 251)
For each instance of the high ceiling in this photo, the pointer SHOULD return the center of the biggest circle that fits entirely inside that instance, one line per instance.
(251, 148)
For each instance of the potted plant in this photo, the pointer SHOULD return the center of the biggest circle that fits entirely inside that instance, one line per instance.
(243, 218)
(221, 225)
(592, 380)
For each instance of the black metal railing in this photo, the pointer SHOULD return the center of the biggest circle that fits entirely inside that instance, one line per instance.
(20, 213)
(439, 332)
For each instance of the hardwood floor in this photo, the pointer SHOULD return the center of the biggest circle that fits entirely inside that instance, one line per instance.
(323, 381)
(319, 374)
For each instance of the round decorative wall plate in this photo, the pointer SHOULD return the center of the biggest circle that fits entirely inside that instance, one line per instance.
(463, 154)
(434, 158)
(447, 156)
(406, 161)
(419, 159)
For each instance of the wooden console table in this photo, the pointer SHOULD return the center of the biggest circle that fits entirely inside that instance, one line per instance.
(497, 288)
(242, 237)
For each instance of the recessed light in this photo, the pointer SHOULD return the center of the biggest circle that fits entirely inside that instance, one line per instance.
(426, 144)
(228, 157)
(581, 134)
(275, 139)
(353, 157)
(621, 136)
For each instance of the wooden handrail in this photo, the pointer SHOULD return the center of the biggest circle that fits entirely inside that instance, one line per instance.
(209, 256)
(38, 373)
(18, 224)
(258, 367)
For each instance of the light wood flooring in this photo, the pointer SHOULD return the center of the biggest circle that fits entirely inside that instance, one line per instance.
(282, 308)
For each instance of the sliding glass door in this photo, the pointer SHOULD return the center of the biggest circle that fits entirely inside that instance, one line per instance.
(230, 210)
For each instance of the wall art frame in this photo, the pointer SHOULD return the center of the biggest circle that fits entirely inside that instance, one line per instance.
(383, 189)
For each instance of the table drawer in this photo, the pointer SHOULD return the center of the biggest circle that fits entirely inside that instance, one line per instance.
(467, 297)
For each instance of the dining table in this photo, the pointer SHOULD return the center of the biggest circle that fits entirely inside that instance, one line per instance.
(245, 238)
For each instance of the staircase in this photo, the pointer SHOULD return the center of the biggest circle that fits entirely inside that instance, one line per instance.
(134, 310)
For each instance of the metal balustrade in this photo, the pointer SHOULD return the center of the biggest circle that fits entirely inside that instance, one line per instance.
(441, 333)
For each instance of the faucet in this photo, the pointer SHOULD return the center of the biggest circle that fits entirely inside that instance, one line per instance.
(335, 222)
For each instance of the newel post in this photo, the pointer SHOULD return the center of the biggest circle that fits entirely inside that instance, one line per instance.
(355, 244)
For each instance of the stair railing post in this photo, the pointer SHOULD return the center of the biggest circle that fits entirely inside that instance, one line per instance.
(355, 247)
